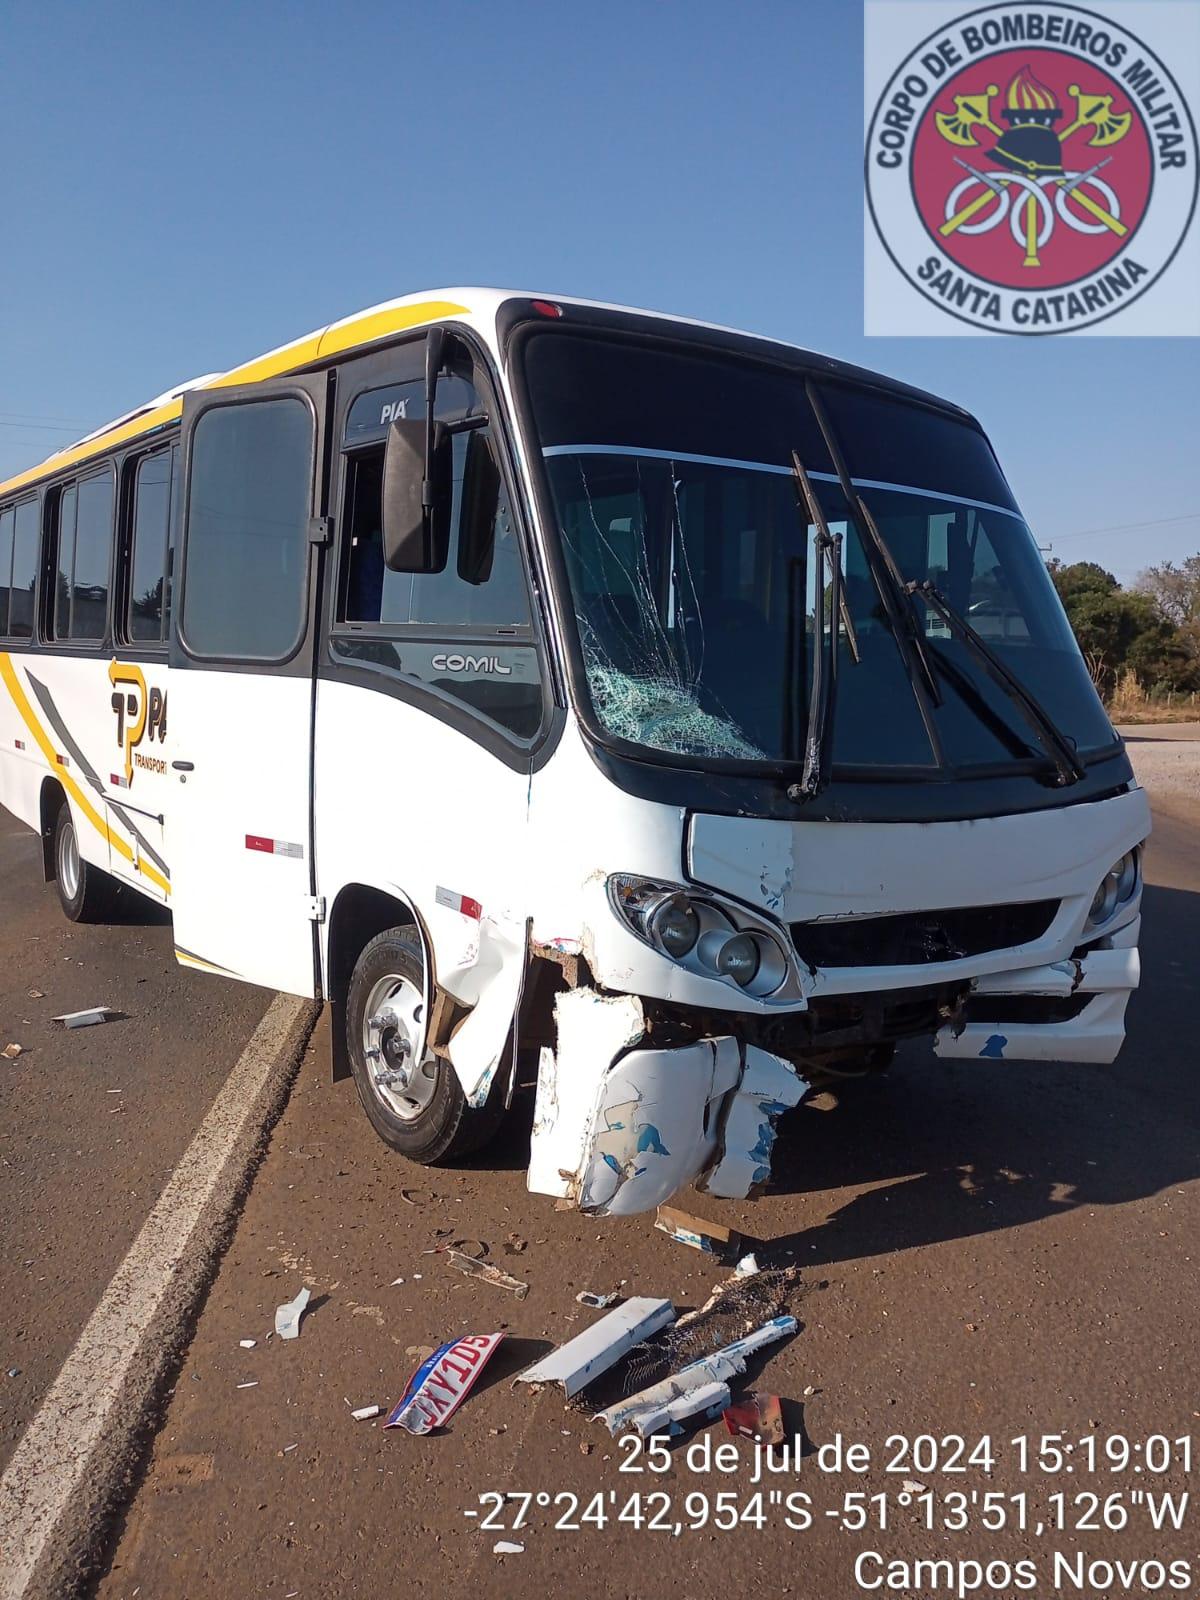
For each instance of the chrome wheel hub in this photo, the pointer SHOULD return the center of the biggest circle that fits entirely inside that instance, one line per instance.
(403, 1073)
(68, 861)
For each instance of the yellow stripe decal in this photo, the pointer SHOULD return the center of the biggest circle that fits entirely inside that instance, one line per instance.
(186, 959)
(316, 347)
(81, 799)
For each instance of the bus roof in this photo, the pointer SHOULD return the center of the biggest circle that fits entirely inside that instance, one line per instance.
(383, 321)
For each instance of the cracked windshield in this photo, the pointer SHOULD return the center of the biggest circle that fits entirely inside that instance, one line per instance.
(692, 571)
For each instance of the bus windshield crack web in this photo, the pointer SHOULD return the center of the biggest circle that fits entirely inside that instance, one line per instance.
(654, 699)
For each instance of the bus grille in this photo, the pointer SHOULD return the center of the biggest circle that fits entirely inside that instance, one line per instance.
(914, 938)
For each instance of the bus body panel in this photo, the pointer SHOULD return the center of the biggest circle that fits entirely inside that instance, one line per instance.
(238, 826)
(406, 804)
(60, 708)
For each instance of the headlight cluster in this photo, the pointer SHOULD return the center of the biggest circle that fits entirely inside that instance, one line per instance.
(698, 934)
(1117, 889)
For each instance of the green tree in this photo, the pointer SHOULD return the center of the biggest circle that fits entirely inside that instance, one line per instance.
(1118, 629)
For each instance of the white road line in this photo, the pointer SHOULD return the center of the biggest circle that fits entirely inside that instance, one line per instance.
(49, 1465)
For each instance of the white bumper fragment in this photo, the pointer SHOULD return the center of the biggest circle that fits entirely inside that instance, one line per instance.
(620, 1130)
(1095, 1034)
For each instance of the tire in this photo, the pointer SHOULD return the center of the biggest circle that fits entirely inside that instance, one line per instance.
(425, 1117)
(85, 893)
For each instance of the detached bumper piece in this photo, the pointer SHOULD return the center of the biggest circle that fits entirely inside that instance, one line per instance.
(1071, 1010)
(618, 1130)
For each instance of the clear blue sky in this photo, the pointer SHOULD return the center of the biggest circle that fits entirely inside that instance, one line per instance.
(185, 186)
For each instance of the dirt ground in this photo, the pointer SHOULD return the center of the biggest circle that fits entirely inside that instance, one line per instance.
(993, 1251)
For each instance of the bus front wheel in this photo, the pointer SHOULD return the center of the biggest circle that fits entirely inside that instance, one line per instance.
(412, 1097)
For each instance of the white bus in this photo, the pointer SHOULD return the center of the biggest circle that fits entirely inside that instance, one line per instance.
(546, 682)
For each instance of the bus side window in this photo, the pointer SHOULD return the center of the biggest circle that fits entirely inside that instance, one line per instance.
(84, 554)
(6, 561)
(245, 579)
(26, 520)
(466, 630)
(149, 558)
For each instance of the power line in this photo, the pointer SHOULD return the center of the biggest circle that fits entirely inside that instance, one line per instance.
(1124, 527)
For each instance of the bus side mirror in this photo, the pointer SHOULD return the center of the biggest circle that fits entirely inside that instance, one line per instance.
(416, 511)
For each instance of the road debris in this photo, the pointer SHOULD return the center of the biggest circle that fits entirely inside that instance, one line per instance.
(287, 1316)
(441, 1383)
(598, 1301)
(86, 1019)
(474, 1268)
(911, 1486)
(11, 1051)
(756, 1416)
(735, 1306)
(505, 1547)
(710, 1237)
(647, 1411)
(419, 1352)
(583, 1358)
(365, 1413)
(36, 994)
(747, 1266)
(253, 1384)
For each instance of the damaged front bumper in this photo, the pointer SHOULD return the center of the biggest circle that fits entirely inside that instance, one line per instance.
(619, 1127)
(1072, 1010)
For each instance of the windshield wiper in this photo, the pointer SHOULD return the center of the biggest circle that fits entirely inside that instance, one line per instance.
(1059, 748)
(822, 698)
(901, 614)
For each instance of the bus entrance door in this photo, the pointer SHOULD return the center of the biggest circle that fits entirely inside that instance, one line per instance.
(242, 674)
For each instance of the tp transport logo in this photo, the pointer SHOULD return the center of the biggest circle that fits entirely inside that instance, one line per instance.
(1031, 168)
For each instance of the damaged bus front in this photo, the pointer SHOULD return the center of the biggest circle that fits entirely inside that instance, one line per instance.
(833, 773)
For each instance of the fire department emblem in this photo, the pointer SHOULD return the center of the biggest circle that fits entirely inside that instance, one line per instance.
(1031, 168)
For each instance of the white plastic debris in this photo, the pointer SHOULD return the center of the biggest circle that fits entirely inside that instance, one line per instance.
(505, 1547)
(85, 1019)
(11, 1051)
(600, 1302)
(247, 1344)
(709, 1398)
(287, 1317)
(911, 1486)
(592, 1352)
(644, 1411)
(252, 1385)
(746, 1267)
(365, 1413)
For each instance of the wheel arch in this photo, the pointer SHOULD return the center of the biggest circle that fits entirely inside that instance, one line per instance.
(359, 912)
(52, 799)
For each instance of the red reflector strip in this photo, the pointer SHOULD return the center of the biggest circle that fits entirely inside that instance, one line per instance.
(20, 743)
(458, 902)
(273, 847)
(62, 761)
(118, 780)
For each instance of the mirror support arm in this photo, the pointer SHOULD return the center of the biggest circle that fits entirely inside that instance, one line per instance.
(433, 365)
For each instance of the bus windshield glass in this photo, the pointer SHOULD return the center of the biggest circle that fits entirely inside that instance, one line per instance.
(691, 564)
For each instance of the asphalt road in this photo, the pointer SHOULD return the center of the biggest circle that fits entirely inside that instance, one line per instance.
(988, 1250)
(92, 1121)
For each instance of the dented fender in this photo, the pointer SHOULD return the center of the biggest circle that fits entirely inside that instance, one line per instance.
(619, 1128)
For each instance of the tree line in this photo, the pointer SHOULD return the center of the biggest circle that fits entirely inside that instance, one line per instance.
(1151, 629)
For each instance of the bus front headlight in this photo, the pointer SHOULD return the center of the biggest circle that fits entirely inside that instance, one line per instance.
(697, 932)
(1117, 888)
